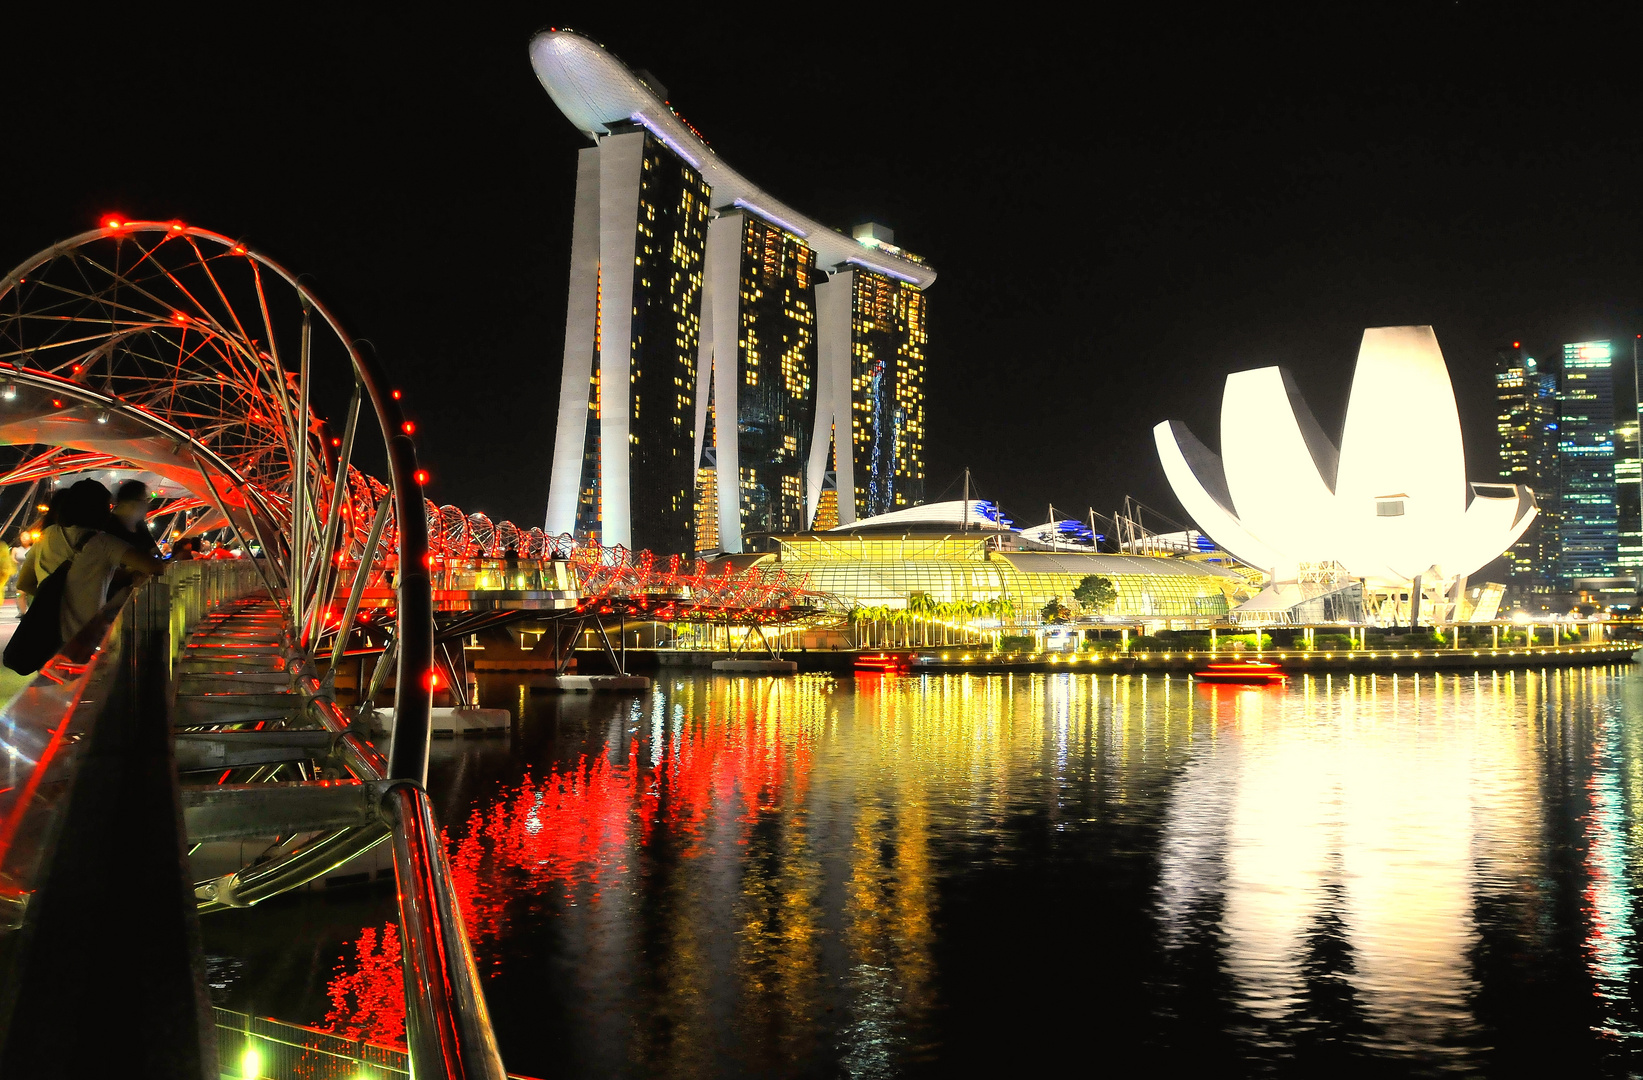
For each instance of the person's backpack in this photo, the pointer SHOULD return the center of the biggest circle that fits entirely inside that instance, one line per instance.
(39, 635)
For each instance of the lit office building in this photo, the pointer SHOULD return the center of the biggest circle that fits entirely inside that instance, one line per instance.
(1527, 421)
(759, 350)
(707, 486)
(1628, 467)
(1588, 524)
(623, 470)
(808, 345)
(882, 460)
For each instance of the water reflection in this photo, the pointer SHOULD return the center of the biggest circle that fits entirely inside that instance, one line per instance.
(1361, 818)
(884, 876)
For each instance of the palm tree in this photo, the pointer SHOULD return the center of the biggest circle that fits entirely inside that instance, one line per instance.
(921, 607)
(974, 612)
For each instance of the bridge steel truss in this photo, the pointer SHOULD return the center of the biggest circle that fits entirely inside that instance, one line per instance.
(170, 348)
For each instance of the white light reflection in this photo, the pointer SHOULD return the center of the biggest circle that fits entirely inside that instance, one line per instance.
(1385, 810)
(1610, 942)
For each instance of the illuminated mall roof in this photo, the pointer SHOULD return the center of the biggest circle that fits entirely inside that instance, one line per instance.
(1080, 563)
(594, 89)
(983, 516)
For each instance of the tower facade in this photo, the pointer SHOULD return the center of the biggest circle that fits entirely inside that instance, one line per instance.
(623, 469)
(759, 351)
(887, 343)
(1628, 465)
(869, 442)
(1588, 521)
(1527, 422)
(732, 367)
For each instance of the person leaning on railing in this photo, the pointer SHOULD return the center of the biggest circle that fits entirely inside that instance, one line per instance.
(97, 555)
(8, 567)
(18, 552)
(59, 499)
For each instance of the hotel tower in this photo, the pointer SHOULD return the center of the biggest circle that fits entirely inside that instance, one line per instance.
(732, 368)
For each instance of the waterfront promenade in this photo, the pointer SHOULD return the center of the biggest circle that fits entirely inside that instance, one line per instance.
(1291, 660)
(980, 659)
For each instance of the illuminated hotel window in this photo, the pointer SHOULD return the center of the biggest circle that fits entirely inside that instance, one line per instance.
(671, 238)
(776, 413)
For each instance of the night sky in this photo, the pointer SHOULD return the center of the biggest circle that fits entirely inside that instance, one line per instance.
(1120, 212)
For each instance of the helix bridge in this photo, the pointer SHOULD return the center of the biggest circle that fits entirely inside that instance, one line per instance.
(196, 721)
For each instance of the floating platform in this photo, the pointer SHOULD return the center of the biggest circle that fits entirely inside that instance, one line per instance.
(519, 663)
(757, 667)
(458, 721)
(590, 684)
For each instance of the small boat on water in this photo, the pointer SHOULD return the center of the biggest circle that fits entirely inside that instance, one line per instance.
(1241, 672)
(884, 662)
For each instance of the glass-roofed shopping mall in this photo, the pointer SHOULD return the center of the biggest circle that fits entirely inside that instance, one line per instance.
(882, 562)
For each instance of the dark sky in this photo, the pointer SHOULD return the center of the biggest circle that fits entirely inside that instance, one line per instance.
(1121, 212)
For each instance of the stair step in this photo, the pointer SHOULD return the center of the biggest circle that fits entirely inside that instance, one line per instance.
(237, 708)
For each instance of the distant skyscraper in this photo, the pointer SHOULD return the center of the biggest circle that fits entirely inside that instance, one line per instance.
(725, 356)
(1588, 523)
(1527, 421)
(1628, 465)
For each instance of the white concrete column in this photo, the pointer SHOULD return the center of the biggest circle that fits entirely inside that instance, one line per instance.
(621, 160)
(581, 314)
(721, 306)
(835, 299)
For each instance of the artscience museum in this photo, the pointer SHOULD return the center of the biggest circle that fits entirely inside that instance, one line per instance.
(1387, 514)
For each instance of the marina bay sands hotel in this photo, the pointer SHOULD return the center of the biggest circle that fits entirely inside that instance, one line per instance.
(732, 368)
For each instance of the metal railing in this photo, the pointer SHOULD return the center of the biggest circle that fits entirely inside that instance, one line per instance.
(256, 1046)
(482, 574)
(46, 729)
(43, 734)
(201, 586)
(259, 1046)
(113, 678)
(93, 799)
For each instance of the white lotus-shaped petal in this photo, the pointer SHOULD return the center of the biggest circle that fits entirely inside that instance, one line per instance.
(1390, 504)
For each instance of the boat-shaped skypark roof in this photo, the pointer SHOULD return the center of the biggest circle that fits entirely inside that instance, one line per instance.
(594, 90)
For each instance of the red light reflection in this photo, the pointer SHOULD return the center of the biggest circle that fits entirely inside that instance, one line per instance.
(577, 831)
(368, 993)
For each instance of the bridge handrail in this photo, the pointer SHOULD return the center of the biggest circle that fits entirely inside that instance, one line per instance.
(446, 1019)
(47, 726)
(50, 724)
(44, 733)
(91, 731)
